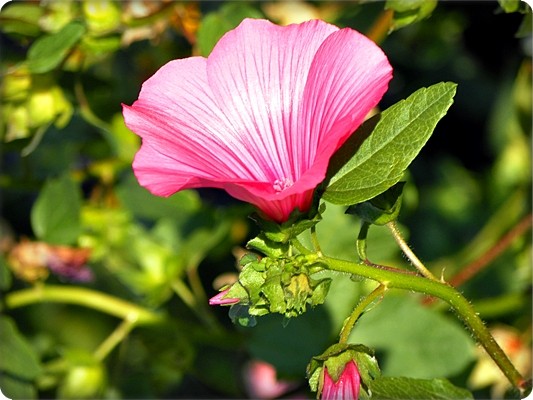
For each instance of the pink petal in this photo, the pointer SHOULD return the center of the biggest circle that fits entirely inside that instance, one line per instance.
(346, 387)
(348, 77)
(220, 300)
(261, 381)
(261, 117)
(258, 73)
(183, 132)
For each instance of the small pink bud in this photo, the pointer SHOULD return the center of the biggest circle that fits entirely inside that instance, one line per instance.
(347, 386)
(220, 300)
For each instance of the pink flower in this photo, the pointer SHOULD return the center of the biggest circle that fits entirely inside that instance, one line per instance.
(261, 116)
(261, 381)
(219, 299)
(347, 386)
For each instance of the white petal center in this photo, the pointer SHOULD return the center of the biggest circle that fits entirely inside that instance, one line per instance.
(282, 184)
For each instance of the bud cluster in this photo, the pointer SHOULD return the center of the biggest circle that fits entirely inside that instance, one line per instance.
(278, 285)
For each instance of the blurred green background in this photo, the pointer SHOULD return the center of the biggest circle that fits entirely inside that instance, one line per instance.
(66, 185)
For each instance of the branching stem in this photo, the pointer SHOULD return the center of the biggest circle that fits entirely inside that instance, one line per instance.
(444, 292)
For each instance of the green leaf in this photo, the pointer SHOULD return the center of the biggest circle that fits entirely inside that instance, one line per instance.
(21, 18)
(409, 388)
(47, 52)
(55, 216)
(417, 342)
(5, 274)
(383, 156)
(407, 12)
(215, 25)
(143, 204)
(16, 355)
(509, 6)
(267, 247)
(15, 388)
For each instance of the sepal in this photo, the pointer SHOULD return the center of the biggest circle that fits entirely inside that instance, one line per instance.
(335, 358)
(297, 223)
(381, 209)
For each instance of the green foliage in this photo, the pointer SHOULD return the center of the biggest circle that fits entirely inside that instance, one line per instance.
(47, 52)
(374, 385)
(5, 275)
(21, 18)
(277, 285)
(410, 388)
(511, 6)
(143, 327)
(55, 216)
(382, 209)
(18, 362)
(412, 338)
(390, 142)
(407, 12)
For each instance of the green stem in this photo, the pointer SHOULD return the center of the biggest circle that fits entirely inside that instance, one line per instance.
(184, 293)
(199, 308)
(196, 284)
(361, 241)
(300, 247)
(391, 280)
(314, 240)
(115, 338)
(408, 252)
(82, 297)
(358, 311)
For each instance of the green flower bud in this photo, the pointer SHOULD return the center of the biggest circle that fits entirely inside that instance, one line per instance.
(47, 105)
(334, 361)
(16, 85)
(101, 16)
(17, 121)
(83, 382)
(57, 15)
(277, 285)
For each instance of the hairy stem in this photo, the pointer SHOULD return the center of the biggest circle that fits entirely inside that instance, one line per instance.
(445, 292)
(358, 311)
(408, 252)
